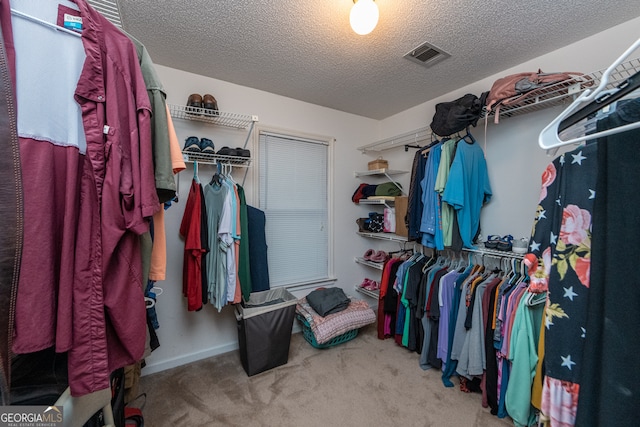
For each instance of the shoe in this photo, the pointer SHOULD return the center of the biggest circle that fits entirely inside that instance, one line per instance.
(505, 243)
(192, 144)
(210, 105)
(520, 246)
(492, 241)
(206, 145)
(362, 227)
(380, 256)
(369, 254)
(226, 151)
(372, 286)
(243, 152)
(194, 104)
(366, 283)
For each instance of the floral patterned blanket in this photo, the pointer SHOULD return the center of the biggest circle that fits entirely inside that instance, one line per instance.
(357, 315)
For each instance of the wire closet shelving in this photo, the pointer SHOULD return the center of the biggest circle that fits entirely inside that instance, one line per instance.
(550, 96)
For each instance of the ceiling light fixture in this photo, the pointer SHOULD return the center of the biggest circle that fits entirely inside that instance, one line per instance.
(364, 16)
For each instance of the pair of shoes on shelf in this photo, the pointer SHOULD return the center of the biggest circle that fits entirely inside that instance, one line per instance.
(207, 104)
(375, 256)
(235, 152)
(370, 285)
(503, 243)
(194, 145)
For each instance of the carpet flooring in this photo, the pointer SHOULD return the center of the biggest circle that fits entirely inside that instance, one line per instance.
(363, 382)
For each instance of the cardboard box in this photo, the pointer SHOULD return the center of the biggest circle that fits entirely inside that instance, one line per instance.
(401, 204)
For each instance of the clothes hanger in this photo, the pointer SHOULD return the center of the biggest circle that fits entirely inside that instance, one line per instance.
(196, 178)
(549, 139)
(607, 98)
(217, 177)
(468, 137)
(45, 23)
(434, 141)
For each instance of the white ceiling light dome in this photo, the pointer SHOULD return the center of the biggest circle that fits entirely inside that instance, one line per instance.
(364, 16)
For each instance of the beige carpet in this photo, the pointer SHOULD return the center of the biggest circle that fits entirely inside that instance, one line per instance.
(364, 382)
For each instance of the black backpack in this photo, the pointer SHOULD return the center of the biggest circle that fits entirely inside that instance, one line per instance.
(454, 116)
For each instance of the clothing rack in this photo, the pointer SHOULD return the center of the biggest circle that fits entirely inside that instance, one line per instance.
(495, 253)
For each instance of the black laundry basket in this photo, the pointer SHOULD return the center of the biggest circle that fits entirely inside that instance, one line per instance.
(265, 322)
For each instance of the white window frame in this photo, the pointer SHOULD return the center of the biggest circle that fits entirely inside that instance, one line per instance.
(257, 173)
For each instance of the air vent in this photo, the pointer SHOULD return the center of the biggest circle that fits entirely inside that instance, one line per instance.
(426, 54)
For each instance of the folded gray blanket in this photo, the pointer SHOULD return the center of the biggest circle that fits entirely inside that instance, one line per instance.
(328, 300)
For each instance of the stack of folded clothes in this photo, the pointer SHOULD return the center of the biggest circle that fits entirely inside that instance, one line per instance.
(355, 315)
(385, 191)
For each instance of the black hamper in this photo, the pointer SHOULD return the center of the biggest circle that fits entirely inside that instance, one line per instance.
(264, 329)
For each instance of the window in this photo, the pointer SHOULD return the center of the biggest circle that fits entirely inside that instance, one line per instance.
(294, 194)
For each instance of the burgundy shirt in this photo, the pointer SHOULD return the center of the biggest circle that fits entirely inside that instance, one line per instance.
(92, 304)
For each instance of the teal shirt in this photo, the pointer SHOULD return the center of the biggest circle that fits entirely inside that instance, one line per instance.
(214, 196)
(523, 354)
(468, 188)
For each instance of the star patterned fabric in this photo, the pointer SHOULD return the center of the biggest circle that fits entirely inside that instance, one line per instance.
(559, 263)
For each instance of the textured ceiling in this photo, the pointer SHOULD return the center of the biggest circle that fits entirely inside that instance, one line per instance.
(306, 50)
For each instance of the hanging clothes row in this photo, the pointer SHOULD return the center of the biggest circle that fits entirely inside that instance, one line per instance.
(220, 230)
(449, 185)
(474, 320)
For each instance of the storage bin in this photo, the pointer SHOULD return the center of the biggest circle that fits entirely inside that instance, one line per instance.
(265, 322)
(308, 335)
(378, 163)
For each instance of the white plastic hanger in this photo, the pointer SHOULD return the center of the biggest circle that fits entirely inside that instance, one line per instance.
(45, 23)
(549, 139)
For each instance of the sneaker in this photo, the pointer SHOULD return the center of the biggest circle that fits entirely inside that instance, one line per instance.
(192, 144)
(226, 151)
(243, 152)
(520, 246)
(206, 146)
(492, 241)
(505, 244)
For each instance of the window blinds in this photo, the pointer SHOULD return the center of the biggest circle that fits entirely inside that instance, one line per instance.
(294, 196)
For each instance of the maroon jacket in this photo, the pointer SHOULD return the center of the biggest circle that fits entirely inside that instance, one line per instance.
(80, 282)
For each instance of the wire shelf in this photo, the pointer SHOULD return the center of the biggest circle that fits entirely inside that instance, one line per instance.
(374, 202)
(495, 253)
(367, 292)
(415, 137)
(383, 236)
(550, 96)
(376, 265)
(214, 159)
(378, 172)
(219, 118)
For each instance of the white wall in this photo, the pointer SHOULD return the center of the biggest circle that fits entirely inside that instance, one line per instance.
(514, 159)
